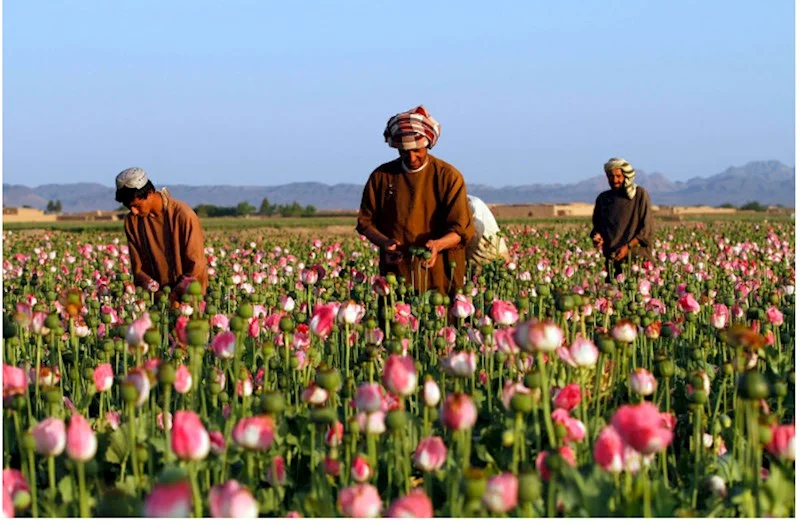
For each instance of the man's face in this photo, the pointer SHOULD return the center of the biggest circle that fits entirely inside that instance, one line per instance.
(616, 179)
(139, 207)
(414, 158)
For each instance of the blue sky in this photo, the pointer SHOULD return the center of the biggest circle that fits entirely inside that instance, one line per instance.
(263, 92)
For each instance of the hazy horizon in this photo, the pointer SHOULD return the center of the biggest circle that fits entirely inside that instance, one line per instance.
(110, 183)
(273, 93)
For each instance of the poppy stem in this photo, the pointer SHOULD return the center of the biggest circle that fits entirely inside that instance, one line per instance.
(167, 432)
(517, 443)
(102, 407)
(38, 370)
(697, 442)
(198, 503)
(51, 474)
(132, 440)
(347, 350)
(551, 497)
(33, 484)
(598, 374)
(249, 460)
(84, 501)
(551, 436)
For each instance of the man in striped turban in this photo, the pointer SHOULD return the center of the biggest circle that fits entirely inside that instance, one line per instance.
(417, 200)
(622, 222)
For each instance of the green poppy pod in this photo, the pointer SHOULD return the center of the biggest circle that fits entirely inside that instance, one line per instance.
(753, 385)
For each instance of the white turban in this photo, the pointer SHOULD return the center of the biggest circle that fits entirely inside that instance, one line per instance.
(627, 170)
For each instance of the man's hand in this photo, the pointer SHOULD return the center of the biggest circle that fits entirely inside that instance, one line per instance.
(487, 251)
(434, 247)
(393, 255)
(622, 252)
(597, 240)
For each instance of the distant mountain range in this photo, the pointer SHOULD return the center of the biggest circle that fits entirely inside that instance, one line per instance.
(768, 182)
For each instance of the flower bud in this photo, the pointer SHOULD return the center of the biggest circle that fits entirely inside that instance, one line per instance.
(245, 311)
(716, 486)
(474, 482)
(396, 420)
(753, 386)
(431, 393)
(153, 337)
(273, 402)
(329, 378)
(522, 403)
(530, 486)
(323, 416)
(166, 374)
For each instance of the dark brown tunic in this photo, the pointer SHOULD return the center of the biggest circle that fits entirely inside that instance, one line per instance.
(168, 246)
(414, 208)
(619, 220)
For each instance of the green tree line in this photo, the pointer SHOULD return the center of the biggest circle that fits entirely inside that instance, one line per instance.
(267, 209)
(751, 206)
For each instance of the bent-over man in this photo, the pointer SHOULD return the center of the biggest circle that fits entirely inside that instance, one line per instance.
(165, 238)
(417, 200)
(486, 245)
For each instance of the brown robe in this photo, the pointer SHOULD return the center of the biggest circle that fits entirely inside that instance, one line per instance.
(168, 246)
(619, 220)
(413, 208)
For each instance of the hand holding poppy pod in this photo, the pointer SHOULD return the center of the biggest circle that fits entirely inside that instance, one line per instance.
(437, 246)
(623, 250)
(391, 246)
(393, 252)
(597, 241)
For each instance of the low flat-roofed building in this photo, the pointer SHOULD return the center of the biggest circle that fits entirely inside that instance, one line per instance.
(97, 215)
(26, 215)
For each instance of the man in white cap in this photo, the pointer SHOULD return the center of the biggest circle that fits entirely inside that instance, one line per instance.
(486, 245)
(165, 238)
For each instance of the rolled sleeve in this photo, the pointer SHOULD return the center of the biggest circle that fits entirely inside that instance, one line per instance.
(369, 205)
(459, 217)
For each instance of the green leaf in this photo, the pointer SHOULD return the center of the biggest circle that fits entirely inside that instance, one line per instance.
(728, 469)
(587, 496)
(777, 494)
(484, 454)
(159, 444)
(66, 487)
(83, 406)
(128, 486)
(663, 500)
(267, 502)
(117, 446)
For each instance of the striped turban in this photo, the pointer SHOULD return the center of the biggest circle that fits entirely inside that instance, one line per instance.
(413, 129)
(627, 171)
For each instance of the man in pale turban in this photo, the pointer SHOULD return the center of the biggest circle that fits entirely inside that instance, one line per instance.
(417, 200)
(622, 222)
(165, 238)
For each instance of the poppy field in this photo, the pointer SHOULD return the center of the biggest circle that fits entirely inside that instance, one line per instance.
(302, 384)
